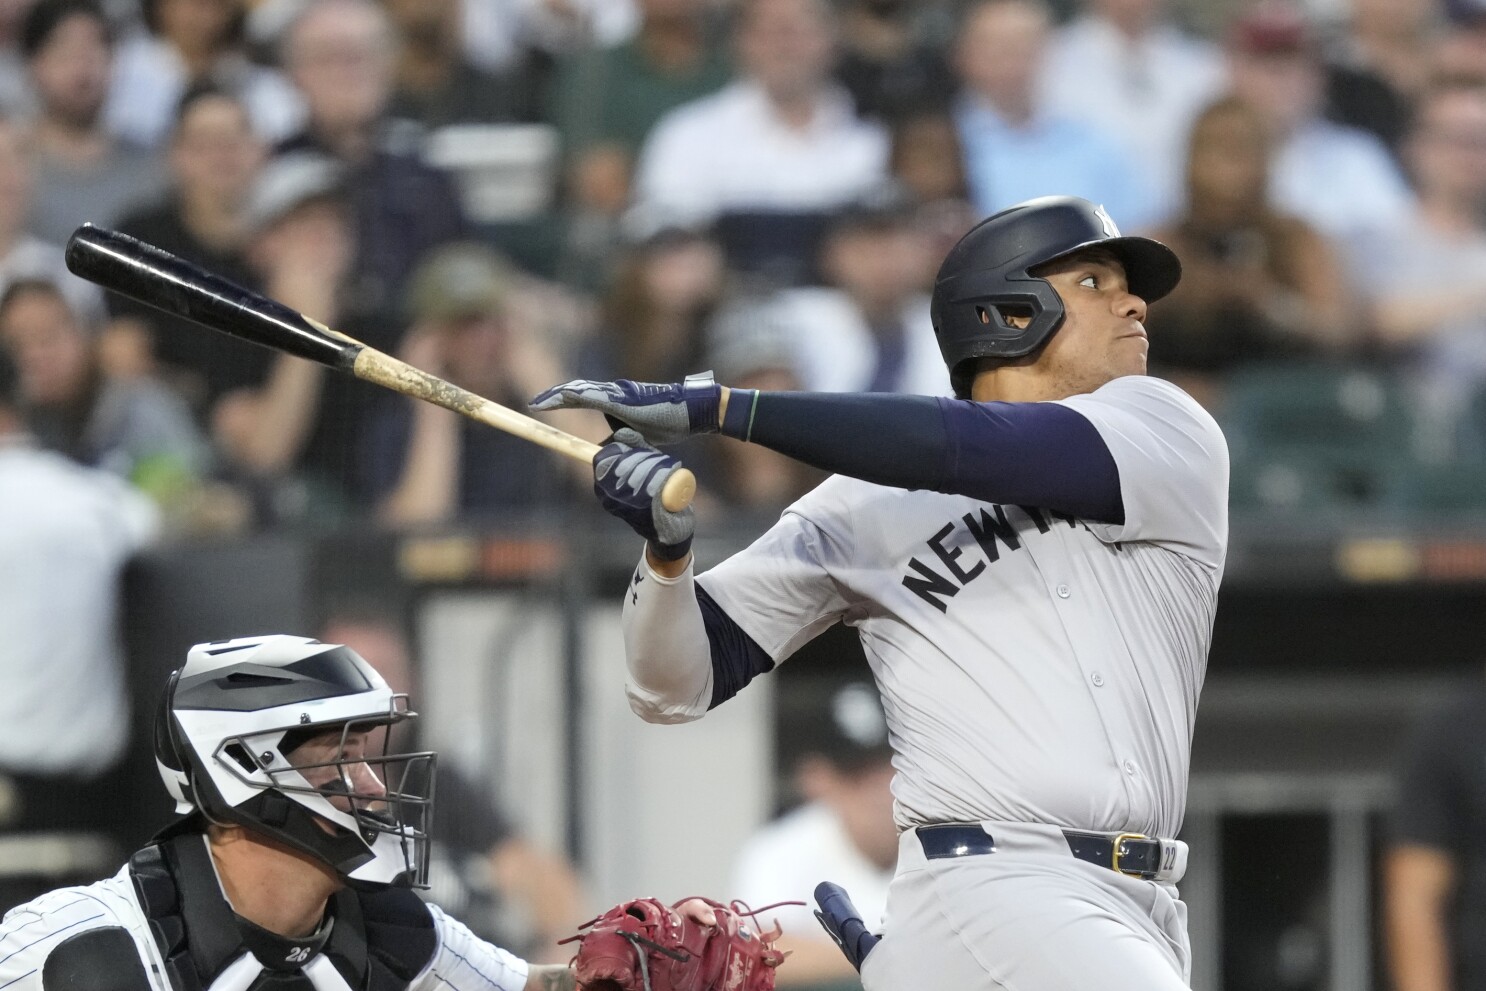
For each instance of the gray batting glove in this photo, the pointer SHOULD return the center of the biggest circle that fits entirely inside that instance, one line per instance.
(628, 476)
(662, 413)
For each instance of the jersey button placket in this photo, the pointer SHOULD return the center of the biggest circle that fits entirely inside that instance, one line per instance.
(1097, 679)
(1063, 591)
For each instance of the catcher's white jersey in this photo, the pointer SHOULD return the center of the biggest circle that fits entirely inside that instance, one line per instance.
(1033, 668)
(30, 932)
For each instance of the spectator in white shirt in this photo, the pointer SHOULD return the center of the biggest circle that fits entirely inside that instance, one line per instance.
(1427, 275)
(65, 719)
(1122, 66)
(1014, 149)
(187, 43)
(774, 152)
(498, 32)
(1339, 179)
(867, 328)
(843, 833)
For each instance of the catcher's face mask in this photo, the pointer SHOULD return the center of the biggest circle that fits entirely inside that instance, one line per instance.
(348, 776)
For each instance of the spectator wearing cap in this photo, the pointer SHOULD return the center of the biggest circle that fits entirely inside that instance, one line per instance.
(339, 53)
(186, 44)
(1124, 67)
(1014, 149)
(292, 439)
(749, 345)
(1339, 179)
(770, 156)
(135, 428)
(64, 722)
(843, 832)
(425, 464)
(436, 84)
(83, 173)
(213, 156)
(867, 329)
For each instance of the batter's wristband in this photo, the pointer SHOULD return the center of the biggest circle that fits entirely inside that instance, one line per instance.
(670, 552)
(703, 397)
(738, 421)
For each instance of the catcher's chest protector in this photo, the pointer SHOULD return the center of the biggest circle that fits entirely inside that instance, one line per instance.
(378, 941)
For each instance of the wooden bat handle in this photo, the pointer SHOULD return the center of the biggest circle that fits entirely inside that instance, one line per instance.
(375, 366)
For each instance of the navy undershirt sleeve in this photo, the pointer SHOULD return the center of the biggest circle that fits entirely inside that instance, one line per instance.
(1027, 454)
(736, 658)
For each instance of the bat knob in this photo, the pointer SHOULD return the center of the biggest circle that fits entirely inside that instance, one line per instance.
(679, 490)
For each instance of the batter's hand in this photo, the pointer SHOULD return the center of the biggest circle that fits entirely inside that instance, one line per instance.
(663, 414)
(628, 476)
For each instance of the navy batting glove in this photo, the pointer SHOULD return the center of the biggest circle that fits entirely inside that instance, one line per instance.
(628, 475)
(663, 414)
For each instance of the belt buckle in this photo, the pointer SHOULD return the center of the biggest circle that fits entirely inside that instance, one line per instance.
(1119, 853)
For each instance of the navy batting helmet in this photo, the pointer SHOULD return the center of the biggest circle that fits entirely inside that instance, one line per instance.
(985, 278)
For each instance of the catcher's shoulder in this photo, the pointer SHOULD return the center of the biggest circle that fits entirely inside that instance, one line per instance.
(86, 938)
(105, 958)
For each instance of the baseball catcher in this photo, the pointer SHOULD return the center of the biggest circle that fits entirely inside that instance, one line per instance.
(292, 866)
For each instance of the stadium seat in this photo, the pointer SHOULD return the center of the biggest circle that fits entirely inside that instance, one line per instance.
(1459, 487)
(1311, 435)
(1471, 435)
(1283, 484)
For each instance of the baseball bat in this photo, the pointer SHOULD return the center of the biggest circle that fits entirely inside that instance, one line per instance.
(157, 278)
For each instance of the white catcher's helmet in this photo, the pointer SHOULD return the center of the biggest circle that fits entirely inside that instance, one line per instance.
(229, 721)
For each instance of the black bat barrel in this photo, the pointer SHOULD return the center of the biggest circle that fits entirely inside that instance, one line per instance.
(157, 278)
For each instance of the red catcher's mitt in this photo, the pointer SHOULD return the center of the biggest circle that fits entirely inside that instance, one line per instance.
(645, 945)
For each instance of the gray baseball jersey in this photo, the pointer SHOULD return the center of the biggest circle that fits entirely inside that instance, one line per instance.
(1033, 667)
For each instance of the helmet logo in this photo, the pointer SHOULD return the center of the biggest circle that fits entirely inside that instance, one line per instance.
(1107, 222)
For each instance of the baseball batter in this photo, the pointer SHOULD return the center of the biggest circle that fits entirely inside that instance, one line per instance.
(1033, 568)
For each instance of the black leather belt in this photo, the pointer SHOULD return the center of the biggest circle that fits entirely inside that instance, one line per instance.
(1128, 853)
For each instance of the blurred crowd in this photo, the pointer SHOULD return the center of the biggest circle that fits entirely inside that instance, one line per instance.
(509, 193)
